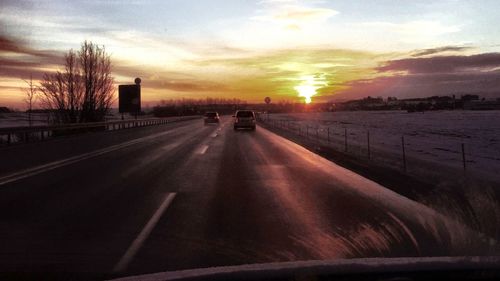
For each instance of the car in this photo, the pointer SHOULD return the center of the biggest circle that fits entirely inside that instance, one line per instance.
(244, 119)
(211, 117)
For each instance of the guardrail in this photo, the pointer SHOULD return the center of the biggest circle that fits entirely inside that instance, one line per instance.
(11, 135)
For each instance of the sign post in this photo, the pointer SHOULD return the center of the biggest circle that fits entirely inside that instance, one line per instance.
(267, 100)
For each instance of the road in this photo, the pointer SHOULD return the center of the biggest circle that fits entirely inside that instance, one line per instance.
(185, 195)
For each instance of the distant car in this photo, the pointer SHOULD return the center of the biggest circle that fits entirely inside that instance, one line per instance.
(211, 117)
(244, 119)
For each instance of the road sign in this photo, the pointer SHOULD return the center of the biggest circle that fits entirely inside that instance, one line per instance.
(129, 98)
(267, 100)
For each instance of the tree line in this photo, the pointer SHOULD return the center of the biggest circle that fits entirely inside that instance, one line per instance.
(183, 107)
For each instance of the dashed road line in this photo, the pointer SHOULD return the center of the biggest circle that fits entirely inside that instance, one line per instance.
(143, 235)
(203, 149)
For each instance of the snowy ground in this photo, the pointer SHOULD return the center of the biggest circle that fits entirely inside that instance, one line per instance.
(432, 139)
(20, 119)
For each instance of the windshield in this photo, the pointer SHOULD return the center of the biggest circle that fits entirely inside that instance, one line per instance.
(154, 136)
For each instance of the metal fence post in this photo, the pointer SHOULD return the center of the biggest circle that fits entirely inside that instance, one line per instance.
(368, 143)
(404, 152)
(345, 139)
(463, 157)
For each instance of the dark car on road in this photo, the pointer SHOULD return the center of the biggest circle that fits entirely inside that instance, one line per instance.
(244, 119)
(211, 117)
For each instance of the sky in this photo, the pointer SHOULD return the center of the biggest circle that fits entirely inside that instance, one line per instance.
(285, 49)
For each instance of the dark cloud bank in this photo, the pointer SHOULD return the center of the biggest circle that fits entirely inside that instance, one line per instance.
(429, 76)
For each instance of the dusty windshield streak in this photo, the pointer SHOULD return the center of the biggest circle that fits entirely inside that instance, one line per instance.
(152, 136)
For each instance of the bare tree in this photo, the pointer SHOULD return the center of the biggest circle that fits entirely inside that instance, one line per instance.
(84, 91)
(62, 92)
(30, 98)
(99, 91)
(74, 86)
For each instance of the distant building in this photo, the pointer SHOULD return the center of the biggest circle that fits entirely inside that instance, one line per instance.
(469, 97)
(367, 103)
(482, 105)
(414, 101)
(466, 101)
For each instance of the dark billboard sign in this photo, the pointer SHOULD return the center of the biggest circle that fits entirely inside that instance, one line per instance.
(129, 98)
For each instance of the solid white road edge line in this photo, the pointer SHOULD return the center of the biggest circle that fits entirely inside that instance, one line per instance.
(137, 243)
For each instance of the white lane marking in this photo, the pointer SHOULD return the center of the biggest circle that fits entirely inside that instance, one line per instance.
(170, 146)
(64, 162)
(203, 149)
(146, 231)
(214, 135)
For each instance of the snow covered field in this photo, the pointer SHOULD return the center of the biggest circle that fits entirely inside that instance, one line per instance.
(431, 139)
(20, 119)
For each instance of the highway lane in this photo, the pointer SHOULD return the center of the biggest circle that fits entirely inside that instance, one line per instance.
(69, 218)
(197, 196)
(35, 153)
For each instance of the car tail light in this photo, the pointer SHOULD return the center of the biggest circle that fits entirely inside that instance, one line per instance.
(237, 120)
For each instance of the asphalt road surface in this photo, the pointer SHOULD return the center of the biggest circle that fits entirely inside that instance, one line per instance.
(185, 195)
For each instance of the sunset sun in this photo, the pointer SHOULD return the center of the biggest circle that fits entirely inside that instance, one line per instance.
(306, 91)
(309, 86)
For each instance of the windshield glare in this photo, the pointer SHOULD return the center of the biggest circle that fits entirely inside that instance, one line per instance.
(301, 137)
